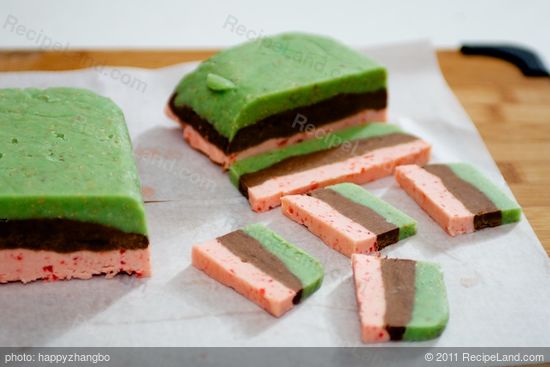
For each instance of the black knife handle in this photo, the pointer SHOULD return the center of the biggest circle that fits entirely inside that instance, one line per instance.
(525, 59)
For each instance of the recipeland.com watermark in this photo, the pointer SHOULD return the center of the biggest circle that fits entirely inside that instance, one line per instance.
(483, 357)
(41, 40)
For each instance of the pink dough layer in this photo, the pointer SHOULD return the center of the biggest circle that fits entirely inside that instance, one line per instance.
(371, 301)
(29, 265)
(359, 169)
(216, 155)
(431, 194)
(337, 231)
(227, 268)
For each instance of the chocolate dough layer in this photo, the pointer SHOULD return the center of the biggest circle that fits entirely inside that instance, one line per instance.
(250, 250)
(386, 232)
(281, 124)
(64, 235)
(486, 213)
(399, 277)
(320, 158)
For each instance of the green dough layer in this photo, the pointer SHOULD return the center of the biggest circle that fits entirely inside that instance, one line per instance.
(264, 160)
(406, 225)
(511, 212)
(247, 83)
(65, 153)
(301, 264)
(430, 310)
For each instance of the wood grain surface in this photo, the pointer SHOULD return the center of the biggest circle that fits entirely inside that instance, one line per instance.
(512, 112)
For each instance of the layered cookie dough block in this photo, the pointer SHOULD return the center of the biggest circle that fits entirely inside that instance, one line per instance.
(457, 196)
(276, 91)
(399, 299)
(70, 198)
(261, 266)
(358, 154)
(348, 218)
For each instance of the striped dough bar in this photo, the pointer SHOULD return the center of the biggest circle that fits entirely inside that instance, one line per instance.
(399, 299)
(348, 218)
(261, 266)
(458, 197)
(358, 154)
(255, 97)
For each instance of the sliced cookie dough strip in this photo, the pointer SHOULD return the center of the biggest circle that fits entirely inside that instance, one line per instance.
(264, 94)
(349, 219)
(358, 154)
(457, 196)
(261, 266)
(399, 299)
(70, 197)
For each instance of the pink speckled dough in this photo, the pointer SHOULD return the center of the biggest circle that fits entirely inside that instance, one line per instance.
(371, 301)
(227, 268)
(430, 193)
(28, 265)
(339, 232)
(360, 169)
(215, 154)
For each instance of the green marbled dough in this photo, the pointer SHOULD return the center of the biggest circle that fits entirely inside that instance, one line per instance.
(65, 153)
(275, 74)
(353, 192)
(511, 212)
(301, 264)
(430, 310)
(264, 160)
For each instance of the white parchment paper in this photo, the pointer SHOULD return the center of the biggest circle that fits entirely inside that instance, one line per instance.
(498, 280)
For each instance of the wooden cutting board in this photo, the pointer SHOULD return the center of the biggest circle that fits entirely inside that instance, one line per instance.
(511, 112)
